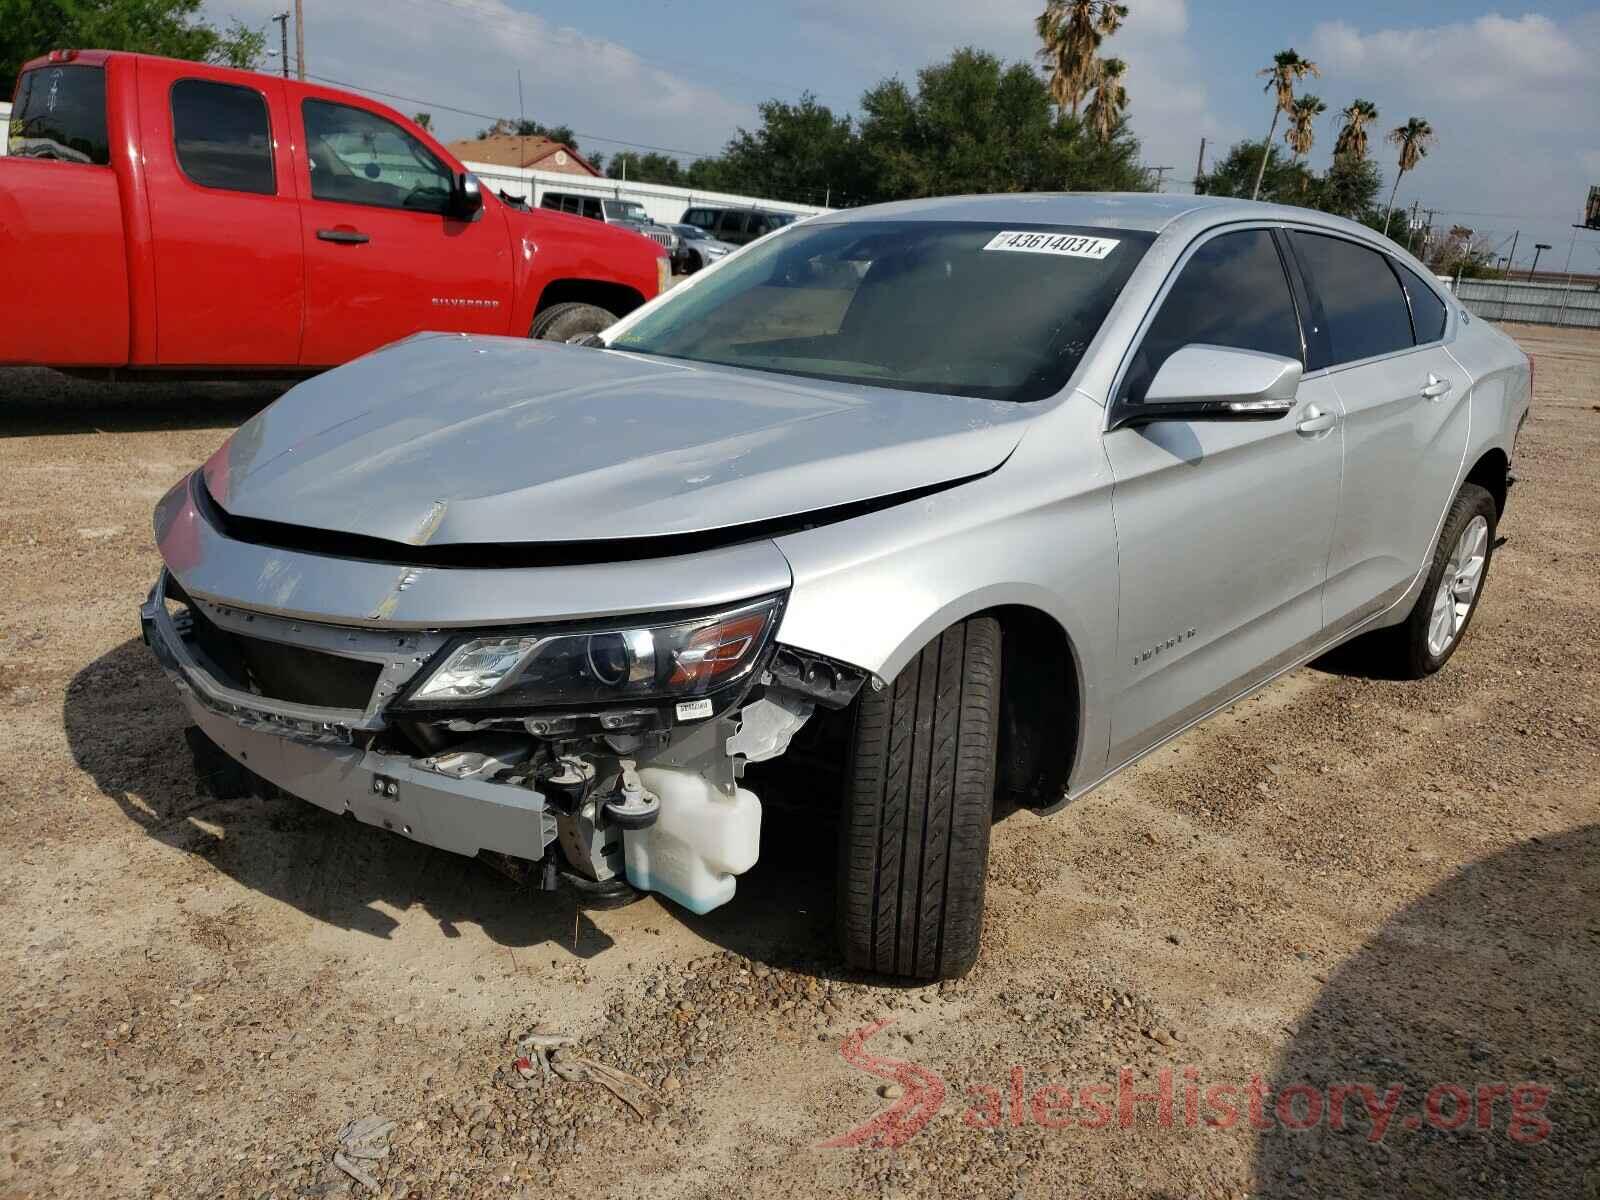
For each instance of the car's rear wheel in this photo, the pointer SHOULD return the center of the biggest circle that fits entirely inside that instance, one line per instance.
(1430, 635)
(918, 802)
(570, 321)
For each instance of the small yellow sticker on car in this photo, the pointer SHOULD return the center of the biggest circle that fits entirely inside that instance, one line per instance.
(1072, 245)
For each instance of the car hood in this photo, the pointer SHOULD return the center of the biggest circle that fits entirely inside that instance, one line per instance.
(446, 439)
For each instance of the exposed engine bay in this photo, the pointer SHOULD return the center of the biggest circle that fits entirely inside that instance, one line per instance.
(449, 737)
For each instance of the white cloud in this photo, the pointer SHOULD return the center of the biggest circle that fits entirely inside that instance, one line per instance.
(1512, 100)
(1170, 100)
(466, 53)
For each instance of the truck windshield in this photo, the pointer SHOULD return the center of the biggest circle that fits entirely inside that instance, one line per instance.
(60, 112)
(967, 309)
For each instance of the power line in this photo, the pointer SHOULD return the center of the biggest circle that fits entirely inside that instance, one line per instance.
(467, 112)
(671, 65)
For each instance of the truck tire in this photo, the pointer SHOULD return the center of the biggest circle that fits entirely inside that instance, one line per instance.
(1439, 621)
(918, 803)
(570, 321)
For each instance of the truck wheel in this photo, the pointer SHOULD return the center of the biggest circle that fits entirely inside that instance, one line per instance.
(568, 322)
(918, 802)
(1439, 621)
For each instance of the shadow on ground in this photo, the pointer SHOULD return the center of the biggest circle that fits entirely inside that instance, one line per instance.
(36, 402)
(1490, 980)
(125, 727)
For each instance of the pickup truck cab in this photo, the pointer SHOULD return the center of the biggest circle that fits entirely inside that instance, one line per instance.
(161, 215)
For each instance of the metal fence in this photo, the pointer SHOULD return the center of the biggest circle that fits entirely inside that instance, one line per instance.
(1577, 306)
(661, 202)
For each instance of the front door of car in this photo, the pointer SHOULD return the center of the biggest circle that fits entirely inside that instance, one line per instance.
(383, 257)
(1223, 526)
(1379, 329)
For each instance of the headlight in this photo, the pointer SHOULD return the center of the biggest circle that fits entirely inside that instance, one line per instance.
(598, 664)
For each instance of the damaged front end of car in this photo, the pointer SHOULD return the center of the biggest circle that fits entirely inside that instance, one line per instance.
(605, 753)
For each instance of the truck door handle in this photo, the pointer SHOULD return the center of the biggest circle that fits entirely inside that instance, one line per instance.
(1316, 421)
(346, 237)
(1436, 388)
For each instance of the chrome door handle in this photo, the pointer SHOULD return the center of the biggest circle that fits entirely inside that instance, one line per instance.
(1436, 388)
(1316, 421)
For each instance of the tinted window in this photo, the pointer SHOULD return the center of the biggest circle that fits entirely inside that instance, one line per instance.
(551, 200)
(1363, 309)
(361, 158)
(701, 217)
(221, 135)
(960, 308)
(591, 208)
(1232, 292)
(60, 112)
(731, 222)
(1427, 310)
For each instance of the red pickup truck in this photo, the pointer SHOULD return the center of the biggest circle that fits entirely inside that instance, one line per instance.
(161, 216)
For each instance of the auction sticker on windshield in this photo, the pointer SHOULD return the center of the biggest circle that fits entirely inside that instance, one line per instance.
(1070, 244)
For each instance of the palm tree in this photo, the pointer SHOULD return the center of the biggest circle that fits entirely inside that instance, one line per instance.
(1302, 133)
(1072, 31)
(1110, 102)
(1287, 69)
(1414, 138)
(1357, 115)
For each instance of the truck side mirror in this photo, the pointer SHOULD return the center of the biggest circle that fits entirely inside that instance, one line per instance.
(466, 200)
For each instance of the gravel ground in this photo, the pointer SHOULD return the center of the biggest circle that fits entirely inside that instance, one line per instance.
(1344, 880)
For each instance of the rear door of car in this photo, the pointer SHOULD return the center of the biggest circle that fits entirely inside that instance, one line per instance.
(384, 259)
(1380, 333)
(1222, 527)
(224, 217)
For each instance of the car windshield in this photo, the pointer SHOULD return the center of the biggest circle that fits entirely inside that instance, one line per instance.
(967, 309)
(627, 210)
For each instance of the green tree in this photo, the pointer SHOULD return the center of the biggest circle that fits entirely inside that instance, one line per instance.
(801, 151)
(1302, 132)
(1072, 31)
(1259, 169)
(1287, 69)
(1349, 188)
(1415, 138)
(975, 124)
(29, 28)
(1357, 115)
(646, 168)
(423, 119)
(1109, 105)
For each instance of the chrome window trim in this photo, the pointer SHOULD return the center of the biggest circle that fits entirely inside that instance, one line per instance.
(1114, 404)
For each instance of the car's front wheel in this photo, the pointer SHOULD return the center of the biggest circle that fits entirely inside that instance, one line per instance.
(570, 321)
(1450, 597)
(918, 802)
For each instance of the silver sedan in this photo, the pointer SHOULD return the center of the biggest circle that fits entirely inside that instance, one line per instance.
(980, 499)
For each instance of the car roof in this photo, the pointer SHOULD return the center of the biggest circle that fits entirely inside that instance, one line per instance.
(1150, 211)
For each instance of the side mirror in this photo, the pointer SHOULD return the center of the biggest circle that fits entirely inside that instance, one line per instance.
(1216, 383)
(466, 199)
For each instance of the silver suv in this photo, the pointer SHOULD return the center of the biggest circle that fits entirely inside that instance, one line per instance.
(980, 499)
(630, 214)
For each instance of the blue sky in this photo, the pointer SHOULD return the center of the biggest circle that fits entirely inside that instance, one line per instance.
(1513, 90)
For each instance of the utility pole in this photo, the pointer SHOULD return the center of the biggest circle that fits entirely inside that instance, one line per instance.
(1159, 172)
(1512, 258)
(299, 40)
(1538, 248)
(1200, 163)
(283, 39)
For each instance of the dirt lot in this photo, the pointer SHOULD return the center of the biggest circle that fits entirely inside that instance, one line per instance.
(1342, 880)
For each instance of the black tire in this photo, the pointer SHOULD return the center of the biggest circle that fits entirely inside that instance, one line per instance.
(694, 264)
(566, 322)
(1408, 642)
(918, 803)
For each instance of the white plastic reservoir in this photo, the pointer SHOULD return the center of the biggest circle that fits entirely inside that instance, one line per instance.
(701, 840)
